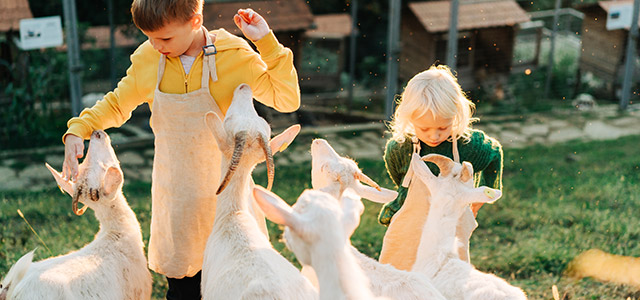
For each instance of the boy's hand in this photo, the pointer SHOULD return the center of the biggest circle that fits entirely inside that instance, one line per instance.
(253, 26)
(73, 149)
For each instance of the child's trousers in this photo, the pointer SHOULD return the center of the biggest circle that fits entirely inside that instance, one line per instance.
(187, 288)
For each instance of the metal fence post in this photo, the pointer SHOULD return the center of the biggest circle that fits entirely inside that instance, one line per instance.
(393, 37)
(452, 43)
(556, 15)
(73, 55)
(630, 59)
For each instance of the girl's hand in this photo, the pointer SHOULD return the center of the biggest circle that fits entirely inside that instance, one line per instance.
(252, 25)
(73, 149)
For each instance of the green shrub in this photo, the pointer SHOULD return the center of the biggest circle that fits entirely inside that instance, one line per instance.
(32, 115)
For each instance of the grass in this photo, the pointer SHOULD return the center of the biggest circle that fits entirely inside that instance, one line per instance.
(558, 202)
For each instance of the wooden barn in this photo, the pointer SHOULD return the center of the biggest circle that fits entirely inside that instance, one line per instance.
(329, 40)
(603, 51)
(486, 35)
(11, 12)
(289, 19)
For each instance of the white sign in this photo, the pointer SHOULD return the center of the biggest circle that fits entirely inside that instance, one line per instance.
(39, 33)
(619, 16)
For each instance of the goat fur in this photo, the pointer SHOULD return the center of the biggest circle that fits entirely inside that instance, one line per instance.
(239, 261)
(113, 265)
(334, 174)
(451, 194)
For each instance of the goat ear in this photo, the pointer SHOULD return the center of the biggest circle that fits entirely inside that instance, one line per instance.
(213, 121)
(420, 169)
(281, 141)
(467, 172)
(64, 185)
(274, 208)
(19, 269)
(352, 208)
(379, 196)
(484, 194)
(112, 180)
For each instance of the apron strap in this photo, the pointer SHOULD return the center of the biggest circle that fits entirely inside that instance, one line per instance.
(454, 148)
(208, 60)
(161, 64)
(416, 149)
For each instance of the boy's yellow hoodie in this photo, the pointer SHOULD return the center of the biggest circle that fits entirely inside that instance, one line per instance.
(270, 74)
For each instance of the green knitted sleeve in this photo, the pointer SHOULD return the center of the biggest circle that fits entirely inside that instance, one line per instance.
(487, 160)
(492, 175)
(397, 158)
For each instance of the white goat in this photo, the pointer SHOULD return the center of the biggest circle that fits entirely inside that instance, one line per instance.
(317, 230)
(437, 257)
(333, 174)
(113, 265)
(239, 261)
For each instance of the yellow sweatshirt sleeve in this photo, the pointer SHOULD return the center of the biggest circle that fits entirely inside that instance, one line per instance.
(275, 80)
(115, 108)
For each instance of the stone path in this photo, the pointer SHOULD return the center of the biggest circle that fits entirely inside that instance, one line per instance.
(24, 170)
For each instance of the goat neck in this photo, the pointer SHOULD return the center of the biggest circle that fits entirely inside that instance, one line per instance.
(437, 243)
(119, 218)
(344, 265)
(234, 197)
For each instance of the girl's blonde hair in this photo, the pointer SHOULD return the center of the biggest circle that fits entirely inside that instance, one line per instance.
(434, 91)
(151, 15)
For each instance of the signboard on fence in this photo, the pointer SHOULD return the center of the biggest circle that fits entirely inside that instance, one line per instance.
(37, 33)
(619, 16)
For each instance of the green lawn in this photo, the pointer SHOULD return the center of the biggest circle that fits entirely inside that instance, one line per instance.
(558, 201)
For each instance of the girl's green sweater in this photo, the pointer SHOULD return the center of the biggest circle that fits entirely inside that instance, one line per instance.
(482, 151)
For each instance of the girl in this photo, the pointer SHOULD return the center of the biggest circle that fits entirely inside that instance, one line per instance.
(433, 116)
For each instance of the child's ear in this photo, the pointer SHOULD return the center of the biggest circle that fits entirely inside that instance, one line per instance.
(196, 21)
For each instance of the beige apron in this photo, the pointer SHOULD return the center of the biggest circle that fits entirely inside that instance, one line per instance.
(186, 174)
(402, 237)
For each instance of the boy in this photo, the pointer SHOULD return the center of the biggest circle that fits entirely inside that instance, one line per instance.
(183, 71)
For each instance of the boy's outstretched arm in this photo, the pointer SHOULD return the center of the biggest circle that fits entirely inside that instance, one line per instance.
(274, 79)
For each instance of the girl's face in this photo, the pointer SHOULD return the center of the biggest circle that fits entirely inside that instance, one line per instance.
(173, 39)
(431, 129)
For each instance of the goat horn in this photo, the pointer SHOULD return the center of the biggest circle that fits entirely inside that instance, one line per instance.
(269, 157)
(239, 143)
(74, 206)
(444, 163)
(364, 178)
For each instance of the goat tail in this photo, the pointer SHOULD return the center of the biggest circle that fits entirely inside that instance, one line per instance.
(15, 274)
(606, 267)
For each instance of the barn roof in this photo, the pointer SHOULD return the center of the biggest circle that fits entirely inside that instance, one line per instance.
(434, 15)
(331, 26)
(281, 15)
(11, 11)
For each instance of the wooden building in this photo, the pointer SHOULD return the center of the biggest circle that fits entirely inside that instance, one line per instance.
(289, 19)
(329, 38)
(486, 35)
(11, 12)
(603, 51)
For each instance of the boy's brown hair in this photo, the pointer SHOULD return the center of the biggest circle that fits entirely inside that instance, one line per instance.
(151, 15)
